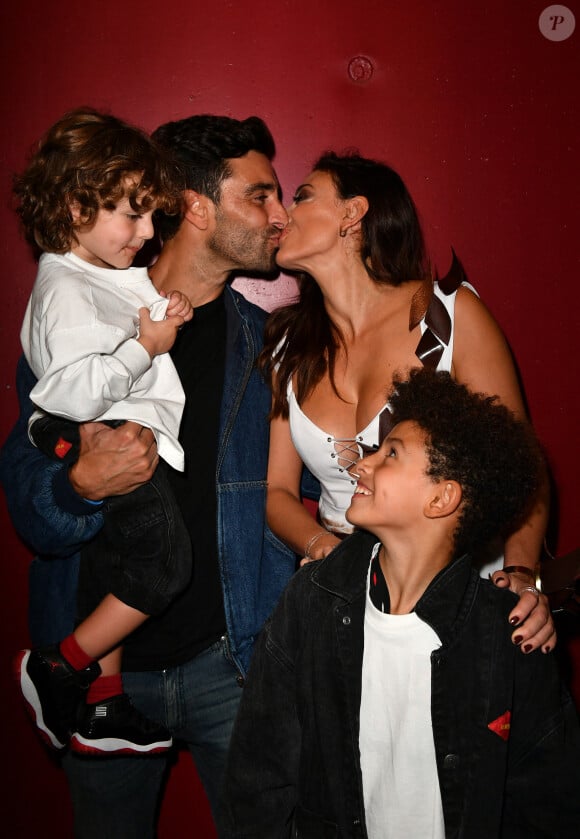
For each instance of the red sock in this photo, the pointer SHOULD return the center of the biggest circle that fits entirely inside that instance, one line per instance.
(75, 655)
(104, 688)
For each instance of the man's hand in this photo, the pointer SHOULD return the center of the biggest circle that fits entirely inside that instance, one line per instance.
(113, 461)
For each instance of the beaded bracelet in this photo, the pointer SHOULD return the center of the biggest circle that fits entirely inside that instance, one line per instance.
(311, 541)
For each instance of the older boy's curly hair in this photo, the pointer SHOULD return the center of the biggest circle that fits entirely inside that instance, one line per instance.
(478, 442)
(90, 158)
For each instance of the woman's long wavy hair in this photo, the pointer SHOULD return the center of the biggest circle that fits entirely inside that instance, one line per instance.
(300, 338)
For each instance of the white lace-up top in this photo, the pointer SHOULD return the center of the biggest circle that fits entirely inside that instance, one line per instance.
(328, 458)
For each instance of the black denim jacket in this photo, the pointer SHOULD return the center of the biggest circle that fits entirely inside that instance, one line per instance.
(294, 765)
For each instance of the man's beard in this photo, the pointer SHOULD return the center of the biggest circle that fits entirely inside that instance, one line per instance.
(246, 249)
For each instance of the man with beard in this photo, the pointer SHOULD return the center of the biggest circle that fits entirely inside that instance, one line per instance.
(184, 668)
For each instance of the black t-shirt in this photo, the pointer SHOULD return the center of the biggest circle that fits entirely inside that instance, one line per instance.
(196, 618)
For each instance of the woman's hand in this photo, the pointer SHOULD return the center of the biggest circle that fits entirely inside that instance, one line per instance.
(319, 546)
(531, 615)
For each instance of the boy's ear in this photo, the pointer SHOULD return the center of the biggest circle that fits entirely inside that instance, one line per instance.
(444, 500)
(198, 208)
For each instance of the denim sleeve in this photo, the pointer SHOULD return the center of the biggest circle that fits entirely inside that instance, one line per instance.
(45, 510)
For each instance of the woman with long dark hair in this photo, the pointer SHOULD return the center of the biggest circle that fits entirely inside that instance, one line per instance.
(368, 309)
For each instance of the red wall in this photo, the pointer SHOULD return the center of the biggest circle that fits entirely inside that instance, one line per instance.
(475, 108)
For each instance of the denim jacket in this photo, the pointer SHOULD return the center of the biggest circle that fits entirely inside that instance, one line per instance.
(54, 522)
(294, 763)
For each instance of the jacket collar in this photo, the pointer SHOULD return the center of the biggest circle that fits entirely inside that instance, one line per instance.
(444, 605)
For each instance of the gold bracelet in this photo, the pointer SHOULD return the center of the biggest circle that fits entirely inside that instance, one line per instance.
(532, 573)
(519, 569)
(311, 541)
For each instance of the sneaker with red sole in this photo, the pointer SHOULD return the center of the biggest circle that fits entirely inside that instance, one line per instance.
(115, 726)
(52, 690)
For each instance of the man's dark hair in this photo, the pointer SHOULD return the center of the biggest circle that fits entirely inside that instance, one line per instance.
(202, 146)
(473, 439)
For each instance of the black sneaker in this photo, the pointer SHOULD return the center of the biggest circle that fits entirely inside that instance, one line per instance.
(52, 690)
(116, 726)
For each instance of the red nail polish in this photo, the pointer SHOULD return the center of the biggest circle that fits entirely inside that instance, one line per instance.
(514, 621)
(527, 648)
(518, 640)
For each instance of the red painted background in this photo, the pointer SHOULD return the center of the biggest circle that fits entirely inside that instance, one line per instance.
(474, 107)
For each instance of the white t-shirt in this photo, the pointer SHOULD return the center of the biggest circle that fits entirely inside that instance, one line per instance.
(400, 784)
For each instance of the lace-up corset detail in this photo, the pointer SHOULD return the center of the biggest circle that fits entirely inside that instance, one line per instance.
(347, 452)
(330, 458)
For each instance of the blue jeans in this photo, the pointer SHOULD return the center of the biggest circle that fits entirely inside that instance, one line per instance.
(119, 797)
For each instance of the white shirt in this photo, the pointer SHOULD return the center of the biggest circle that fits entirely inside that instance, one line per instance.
(400, 784)
(79, 337)
(326, 456)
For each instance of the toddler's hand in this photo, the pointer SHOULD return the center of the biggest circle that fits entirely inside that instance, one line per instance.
(158, 336)
(179, 305)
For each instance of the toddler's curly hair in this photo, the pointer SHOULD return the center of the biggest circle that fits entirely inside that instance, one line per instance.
(93, 160)
(473, 439)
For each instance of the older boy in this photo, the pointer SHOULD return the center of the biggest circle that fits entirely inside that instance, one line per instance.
(384, 700)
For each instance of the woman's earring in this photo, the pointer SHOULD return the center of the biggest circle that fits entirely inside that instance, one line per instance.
(342, 234)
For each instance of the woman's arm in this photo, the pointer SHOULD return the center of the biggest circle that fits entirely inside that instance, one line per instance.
(287, 516)
(482, 360)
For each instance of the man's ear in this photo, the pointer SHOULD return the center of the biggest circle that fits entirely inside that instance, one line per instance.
(197, 209)
(444, 500)
(354, 210)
